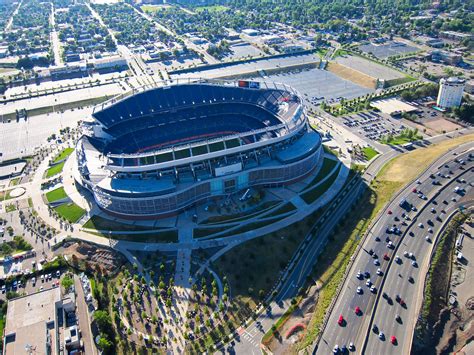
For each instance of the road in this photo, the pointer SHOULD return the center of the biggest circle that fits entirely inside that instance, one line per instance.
(396, 279)
(355, 326)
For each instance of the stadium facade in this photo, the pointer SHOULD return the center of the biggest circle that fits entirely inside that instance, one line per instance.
(157, 151)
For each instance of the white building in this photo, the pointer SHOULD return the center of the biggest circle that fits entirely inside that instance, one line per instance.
(450, 92)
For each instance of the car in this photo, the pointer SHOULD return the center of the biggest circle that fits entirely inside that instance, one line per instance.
(397, 259)
(398, 318)
(398, 298)
(411, 234)
(373, 289)
(377, 239)
(393, 340)
(41, 288)
(367, 274)
(386, 256)
(430, 230)
(344, 349)
(371, 251)
(381, 336)
(433, 210)
(414, 190)
(387, 239)
(359, 290)
(418, 181)
(389, 212)
(414, 264)
(351, 346)
(359, 275)
(405, 254)
(335, 350)
(376, 262)
(420, 225)
(390, 245)
(411, 256)
(402, 303)
(340, 320)
(368, 283)
(357, 310)
(411, 279)
(42, 278)
(428, 239)
(379, 272)
(3, 288)
(58, 274)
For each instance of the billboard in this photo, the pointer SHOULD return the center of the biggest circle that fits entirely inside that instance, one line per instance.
(249, 84)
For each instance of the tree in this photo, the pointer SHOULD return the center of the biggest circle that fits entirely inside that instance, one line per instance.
(103, 320)
(104, 344)
(67, 282)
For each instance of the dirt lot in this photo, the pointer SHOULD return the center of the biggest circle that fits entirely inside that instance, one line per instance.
(409, 165)
(89, 255)
(441, 125)
(369, 68)
(355, 76)
(293, 329)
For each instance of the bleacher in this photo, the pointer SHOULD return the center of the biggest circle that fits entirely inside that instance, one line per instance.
(151, 102)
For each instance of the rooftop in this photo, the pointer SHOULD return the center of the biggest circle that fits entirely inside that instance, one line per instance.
(31, 322)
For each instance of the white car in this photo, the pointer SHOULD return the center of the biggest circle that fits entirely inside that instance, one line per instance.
(420, 225)
(368, 283)
(379, 272)
(359, 290)
(373, 289)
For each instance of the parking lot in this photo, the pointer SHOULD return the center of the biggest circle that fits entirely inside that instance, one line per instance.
(319, 85)
(388, 49)
(41, 282)
(372, 125)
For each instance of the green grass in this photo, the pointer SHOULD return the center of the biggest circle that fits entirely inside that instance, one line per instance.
(14, 182)
(100, 223)
(211, 8)
(152, 8)
(56, 194)
(287, 207)
(399, 81)
(63, 155)
(369, 153)
(70, 211)
(316, 192)
(168, 236)
(54, 170)
(10, 208)
(326, 168)
(241, 215)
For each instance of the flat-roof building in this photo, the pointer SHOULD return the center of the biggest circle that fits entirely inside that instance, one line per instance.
(32, 323)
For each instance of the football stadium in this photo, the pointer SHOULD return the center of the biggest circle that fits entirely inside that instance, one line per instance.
(157, 151)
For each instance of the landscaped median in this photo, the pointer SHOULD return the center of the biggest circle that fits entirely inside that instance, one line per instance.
(122, 231)
(57, 164)
(56, 195)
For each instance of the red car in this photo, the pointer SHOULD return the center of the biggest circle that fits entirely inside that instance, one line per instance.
(414, 190)
(357, 310)
(393, 340)
(340, 321)
(386, 257)
(389, 211)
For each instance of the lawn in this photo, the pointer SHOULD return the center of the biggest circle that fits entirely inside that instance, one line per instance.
(54, 170)
(56, 194)
(369, 153)
(63, 155)
(168, 236)
(100, 223)
(326, 168)
(14, 182)
(70, 211)
(10, 208)
(211, 8)
(316, 192)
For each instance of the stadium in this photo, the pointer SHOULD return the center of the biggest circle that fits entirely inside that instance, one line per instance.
(157, 151)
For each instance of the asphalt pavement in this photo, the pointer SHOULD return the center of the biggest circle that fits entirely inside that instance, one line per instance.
(354, 327)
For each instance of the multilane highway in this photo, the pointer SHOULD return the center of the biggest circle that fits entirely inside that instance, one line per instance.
(354, 327)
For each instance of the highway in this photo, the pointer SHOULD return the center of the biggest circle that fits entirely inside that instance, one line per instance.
(355, 327)
(397, 278)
